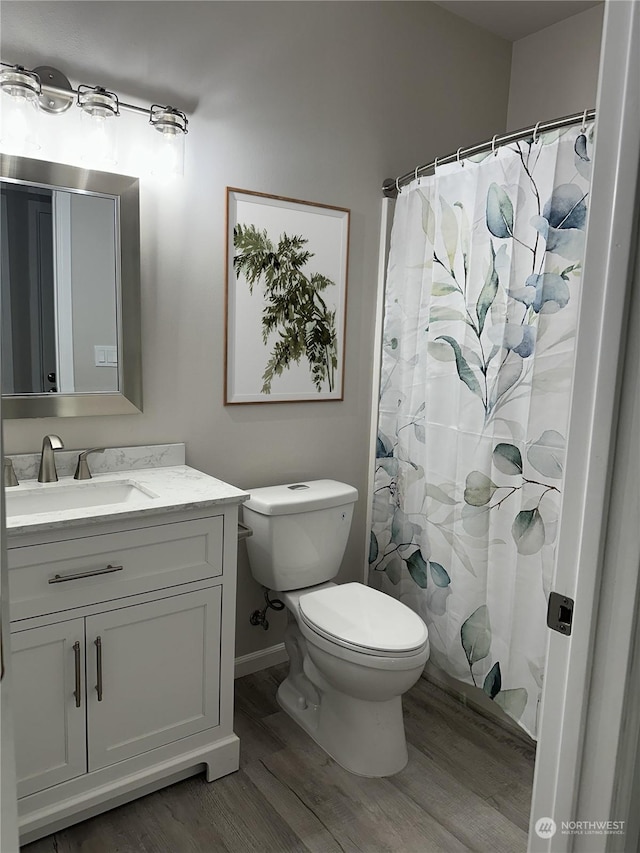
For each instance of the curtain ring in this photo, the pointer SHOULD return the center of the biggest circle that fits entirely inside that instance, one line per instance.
(535, 132)
(584, 121)
(493, 144)
(416, 175)
(435, 164)
(458, 157)
(398, 190)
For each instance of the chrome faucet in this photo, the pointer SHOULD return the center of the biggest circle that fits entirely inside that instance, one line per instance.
(47, 472)
(8, 474)
(82, 468)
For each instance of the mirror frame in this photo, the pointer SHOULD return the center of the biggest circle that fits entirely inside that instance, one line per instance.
(128, 399)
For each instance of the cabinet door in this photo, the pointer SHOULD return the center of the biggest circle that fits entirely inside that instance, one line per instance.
(48, 717)
(158, 669)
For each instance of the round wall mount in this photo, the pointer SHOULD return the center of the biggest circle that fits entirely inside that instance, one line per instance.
(54, 102)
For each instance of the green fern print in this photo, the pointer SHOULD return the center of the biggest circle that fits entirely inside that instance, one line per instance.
(294, 309)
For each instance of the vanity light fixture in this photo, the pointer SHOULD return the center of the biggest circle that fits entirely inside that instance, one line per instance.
(47, 89)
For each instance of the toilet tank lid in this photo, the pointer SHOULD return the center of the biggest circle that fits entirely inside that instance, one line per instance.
(300, 497)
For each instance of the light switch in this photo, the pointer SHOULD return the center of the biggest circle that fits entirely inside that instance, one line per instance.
(106, 356)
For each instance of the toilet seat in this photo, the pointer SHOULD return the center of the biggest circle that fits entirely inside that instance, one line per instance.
(357, 617)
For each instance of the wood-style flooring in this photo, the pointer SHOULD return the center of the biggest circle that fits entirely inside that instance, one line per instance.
(467, 787)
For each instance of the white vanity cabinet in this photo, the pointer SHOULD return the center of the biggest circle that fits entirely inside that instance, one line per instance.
(91, 692)
(122, 660)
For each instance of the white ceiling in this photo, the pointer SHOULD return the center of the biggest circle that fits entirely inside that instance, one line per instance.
(514, 19)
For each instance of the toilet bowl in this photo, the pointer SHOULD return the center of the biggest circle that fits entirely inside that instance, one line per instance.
(347, 696)
(353, 650)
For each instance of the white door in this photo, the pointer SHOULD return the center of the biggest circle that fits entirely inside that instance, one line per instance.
(47, 671)
(153, 674)
(582, 723)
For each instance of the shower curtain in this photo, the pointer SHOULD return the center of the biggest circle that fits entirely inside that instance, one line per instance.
(481, 310)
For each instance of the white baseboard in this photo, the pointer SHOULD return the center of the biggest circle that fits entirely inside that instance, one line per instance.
(255, 661)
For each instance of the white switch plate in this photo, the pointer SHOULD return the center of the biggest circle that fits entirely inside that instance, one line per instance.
(106, 356)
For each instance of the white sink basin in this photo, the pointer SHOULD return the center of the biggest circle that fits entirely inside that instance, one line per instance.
(58, 497)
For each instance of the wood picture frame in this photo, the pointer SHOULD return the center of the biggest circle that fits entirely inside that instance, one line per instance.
(286, 299)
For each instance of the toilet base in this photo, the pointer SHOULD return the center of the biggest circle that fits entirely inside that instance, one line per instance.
(366, 738)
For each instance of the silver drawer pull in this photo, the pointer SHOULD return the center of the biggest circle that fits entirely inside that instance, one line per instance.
(79, 575)
(78, 691)
(98, 645)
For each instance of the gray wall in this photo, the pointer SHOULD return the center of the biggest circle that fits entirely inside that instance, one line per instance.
(316, 100)
(554, 72)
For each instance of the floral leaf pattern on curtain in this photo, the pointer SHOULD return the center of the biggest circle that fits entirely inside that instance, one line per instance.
(480, 318)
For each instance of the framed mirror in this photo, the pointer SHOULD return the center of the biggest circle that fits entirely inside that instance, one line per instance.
(70, 290)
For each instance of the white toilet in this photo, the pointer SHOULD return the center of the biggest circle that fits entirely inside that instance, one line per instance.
(353, 651)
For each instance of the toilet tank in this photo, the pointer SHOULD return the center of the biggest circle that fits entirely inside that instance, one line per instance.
(300, 532)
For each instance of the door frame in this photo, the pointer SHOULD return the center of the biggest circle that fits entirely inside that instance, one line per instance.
(6, 332)
(63, 291)
(572, 724)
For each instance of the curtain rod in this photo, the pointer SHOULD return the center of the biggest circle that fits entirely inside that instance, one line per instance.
(392, 186)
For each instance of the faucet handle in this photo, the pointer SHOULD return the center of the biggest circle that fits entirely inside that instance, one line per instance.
(8, 474)
(82, 468)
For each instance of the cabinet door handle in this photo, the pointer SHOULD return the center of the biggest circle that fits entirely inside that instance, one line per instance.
(90, 574)
(98, 643)
(78, 691)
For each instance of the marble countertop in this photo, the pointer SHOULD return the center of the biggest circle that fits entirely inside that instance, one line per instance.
(110, 459)
(164, 489)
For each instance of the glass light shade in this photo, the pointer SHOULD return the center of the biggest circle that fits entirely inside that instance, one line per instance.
(99, 139)
(18, 116)
(100, 109)
(168, 152)
(168, 155)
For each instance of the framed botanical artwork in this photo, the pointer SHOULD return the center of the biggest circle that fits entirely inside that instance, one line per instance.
(287, 263)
